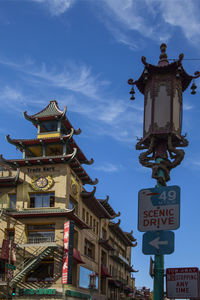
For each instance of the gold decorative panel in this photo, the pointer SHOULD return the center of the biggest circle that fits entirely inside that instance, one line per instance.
(42, 183)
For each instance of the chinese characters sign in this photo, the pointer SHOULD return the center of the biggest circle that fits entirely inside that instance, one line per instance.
(67, 252)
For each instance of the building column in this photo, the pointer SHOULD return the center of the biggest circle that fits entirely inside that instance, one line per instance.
(38, 129)
(64, 148)
(24, 153)
(59, 126)
(43, 150)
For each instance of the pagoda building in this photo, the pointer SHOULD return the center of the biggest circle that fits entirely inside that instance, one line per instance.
(55, 235)
(54, 143)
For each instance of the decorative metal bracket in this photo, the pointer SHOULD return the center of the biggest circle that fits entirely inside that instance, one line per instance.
(147, 158)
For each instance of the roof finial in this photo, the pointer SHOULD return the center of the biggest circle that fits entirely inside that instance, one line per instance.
(163, 56)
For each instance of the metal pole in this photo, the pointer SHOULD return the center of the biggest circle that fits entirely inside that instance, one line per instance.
(158, 287)
(158, 284)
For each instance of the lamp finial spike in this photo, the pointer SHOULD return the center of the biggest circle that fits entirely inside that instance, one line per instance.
(163, 56)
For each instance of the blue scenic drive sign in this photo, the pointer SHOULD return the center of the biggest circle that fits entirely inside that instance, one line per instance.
(159, 208)
(158, 242)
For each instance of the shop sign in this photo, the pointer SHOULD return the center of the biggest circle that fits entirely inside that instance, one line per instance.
(37, 292)
(67, 252)
(5, 249)
(38, 170)
(11, 267)
(182, 282)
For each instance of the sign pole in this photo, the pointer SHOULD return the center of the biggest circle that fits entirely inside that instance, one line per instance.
(158, 284)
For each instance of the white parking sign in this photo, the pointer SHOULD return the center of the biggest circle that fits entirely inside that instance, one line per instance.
(182, 282)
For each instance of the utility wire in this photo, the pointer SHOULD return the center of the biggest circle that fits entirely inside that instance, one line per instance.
(175, 59)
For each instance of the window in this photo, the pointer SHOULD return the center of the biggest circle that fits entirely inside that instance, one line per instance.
(42, 200)
(89, 249)
(10, 234)
(12, 201)
(103, 258)
(91, 221)
(41, 233)
(48, 126)
(94, 226)
(73, 204)
(103, 234)
(84, 279)
(83, 214)
(97, 231)
(43, 272)
(87, 217)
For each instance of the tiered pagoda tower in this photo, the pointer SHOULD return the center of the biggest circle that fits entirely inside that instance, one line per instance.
(54, 143)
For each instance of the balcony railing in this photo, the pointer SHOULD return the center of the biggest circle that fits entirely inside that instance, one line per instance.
(118, 256)
(40, 239)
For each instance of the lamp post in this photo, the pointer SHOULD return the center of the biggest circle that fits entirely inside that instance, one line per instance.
(162, 87)
(92, 284)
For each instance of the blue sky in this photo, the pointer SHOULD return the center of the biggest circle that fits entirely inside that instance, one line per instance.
(81, 53)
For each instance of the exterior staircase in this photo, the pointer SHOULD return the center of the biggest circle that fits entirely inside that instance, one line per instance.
(30, 263)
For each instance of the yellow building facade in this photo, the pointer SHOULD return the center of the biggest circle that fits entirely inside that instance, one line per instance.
(39, 193)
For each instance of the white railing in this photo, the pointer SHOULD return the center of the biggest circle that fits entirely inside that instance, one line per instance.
(40, 239)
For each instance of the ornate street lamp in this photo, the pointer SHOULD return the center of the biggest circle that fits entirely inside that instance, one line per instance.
(162, 86)
(92, 284)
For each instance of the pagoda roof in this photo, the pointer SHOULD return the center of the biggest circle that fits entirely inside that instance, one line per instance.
(121, 234)
(131, 269)
(51, 112)
(70, 159)
(92, 203)
(10, 181)
(130, 236)
(164, 67)
(108, 207)
(22, 143)
(100, 207)
(50, 213)
(105, 244)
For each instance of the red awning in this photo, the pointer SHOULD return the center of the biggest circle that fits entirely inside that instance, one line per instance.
(77, 256)
(104, 271)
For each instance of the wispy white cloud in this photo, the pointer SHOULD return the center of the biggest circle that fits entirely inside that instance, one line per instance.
(83, 92)
(154, 19)
(187, 106)
(13, 97)
(107, 168)
(72, 77)
(128, 16)
(183, 14)
(56, 7)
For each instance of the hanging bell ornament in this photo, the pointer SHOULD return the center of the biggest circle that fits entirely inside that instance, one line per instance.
(132, 92)
(193, 88)
(132, 97)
